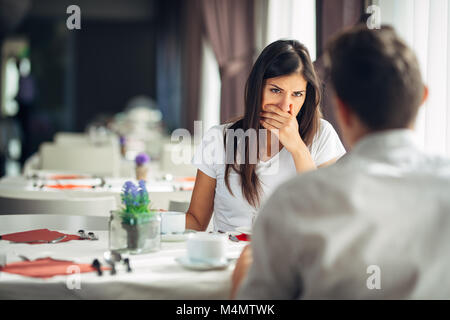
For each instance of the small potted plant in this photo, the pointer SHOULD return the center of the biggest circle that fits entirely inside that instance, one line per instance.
(142, 161)
(141, 224)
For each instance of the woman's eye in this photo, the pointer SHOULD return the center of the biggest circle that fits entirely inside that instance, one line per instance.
(298, 94)
(274, 90)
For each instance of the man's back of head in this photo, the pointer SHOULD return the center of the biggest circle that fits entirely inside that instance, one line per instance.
(376, 76)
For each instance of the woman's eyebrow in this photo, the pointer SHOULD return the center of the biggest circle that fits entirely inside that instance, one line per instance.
(275, 86)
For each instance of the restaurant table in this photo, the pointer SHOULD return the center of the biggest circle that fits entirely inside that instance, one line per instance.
(155, 275)
(160, 192)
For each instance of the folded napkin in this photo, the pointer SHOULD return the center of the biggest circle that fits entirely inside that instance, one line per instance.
(185, 179)
(67, 177)
(68, 186)
(39, 234)
(47, 268)
(243, 237)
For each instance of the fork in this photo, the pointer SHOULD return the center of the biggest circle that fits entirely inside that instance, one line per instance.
(21, 256)
(45, 241)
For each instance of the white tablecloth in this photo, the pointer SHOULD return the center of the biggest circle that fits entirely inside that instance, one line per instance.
(160, 192)
(155, 275)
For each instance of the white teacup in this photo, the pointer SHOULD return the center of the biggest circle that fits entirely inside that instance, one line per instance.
(205, 247)
(173, 222)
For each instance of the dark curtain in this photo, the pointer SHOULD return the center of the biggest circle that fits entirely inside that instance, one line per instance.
(229, 28)
(168, 62)
(192, 58)
(12, 13)
(331, 17)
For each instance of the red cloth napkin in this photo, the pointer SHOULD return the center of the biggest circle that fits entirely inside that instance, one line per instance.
(39, 234)
(243, 237)
(47, 268)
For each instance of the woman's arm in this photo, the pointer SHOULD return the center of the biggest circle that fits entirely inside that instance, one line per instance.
(202, 202)
(304, 162)
(303, 159)
(328, 163)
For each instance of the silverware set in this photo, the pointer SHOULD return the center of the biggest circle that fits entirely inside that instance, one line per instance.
(231, 237)
(88, 236)
(40, 183)
(111, 258)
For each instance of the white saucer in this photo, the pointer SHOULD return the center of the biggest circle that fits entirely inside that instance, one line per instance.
(246, 230)
(187, 263)
(176, 237)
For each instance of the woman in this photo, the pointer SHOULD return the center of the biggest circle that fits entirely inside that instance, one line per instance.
(236, 174)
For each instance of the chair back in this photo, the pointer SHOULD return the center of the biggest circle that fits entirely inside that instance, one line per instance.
(180, 206)
(57, 205)
(23, 222)
(103, 160)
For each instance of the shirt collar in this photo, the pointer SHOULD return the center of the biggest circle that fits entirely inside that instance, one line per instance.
(387, 140)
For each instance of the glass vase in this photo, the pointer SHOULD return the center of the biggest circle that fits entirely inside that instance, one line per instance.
(135, 238)
(117, 234)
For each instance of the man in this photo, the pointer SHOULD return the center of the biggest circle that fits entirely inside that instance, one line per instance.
(376, 225)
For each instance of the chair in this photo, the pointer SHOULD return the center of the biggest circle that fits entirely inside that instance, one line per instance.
(183, 206)
(103, 160)
(76, 138)
(33, 163)
(51, 221)
(71, 138)
(180, 206)
(161, 200)
(176, 159)
(47, 203)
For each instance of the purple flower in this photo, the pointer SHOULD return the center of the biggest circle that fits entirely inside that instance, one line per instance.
(130, 189)
(142, 185)
(122, 140)
(142, 158)
(135, 198)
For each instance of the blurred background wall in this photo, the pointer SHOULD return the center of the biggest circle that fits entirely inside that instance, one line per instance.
(189, 58)
(80, 76)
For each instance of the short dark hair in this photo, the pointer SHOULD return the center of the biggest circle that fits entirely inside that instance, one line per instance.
(377, 75)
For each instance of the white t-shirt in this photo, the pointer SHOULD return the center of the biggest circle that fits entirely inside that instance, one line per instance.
(233, 210)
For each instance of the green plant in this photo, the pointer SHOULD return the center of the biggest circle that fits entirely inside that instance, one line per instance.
(136, 201)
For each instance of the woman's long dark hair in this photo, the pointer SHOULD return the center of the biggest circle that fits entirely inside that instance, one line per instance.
(282, 57)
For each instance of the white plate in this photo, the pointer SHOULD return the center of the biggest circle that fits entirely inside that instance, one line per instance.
(246, 230)
(187, 263)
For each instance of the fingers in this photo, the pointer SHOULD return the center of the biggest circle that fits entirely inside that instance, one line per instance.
(269, 127)
(274, 116)
(273, 122)
(277, 110)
